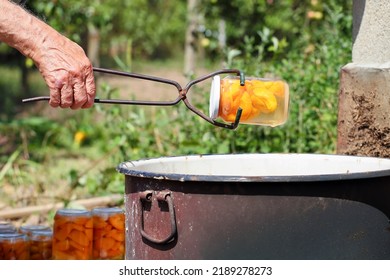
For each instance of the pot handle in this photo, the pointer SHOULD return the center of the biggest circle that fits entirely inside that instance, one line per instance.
(162, 197)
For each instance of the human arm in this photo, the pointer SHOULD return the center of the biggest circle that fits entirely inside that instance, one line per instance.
(63, 64)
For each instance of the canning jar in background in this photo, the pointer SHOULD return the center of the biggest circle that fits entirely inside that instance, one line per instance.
(6, 227)
(108, 233)
(41, 244)
(14, 246)
(28, 229)
(72, 235)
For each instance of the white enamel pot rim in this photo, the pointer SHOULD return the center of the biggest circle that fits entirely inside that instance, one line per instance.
(272, 167)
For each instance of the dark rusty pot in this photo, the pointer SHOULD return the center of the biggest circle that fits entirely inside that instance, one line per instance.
(258, 206)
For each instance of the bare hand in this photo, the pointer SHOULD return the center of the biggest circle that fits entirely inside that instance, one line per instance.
(67, 72)
(62, 63)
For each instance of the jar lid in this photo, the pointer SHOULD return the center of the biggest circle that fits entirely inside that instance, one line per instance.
(215, 92)
(26, 228)
(41, 233)
(6, 227)
(73, 212)
(108, 210)
(13, 236)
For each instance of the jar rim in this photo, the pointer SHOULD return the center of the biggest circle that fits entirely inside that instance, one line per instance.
(14, 235)
(73, 212)
(48, 233)
(108, 210)
(29, 227)
(6, 225)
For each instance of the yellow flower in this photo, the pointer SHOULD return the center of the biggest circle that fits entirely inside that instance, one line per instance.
(79, 137)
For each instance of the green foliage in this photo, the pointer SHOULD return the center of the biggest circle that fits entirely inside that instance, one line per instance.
(155, 28)
(72, 17)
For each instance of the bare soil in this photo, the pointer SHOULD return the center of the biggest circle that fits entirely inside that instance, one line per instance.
(363, 127)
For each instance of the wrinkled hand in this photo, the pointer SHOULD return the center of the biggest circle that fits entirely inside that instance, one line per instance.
(67, 72)
(62, 63)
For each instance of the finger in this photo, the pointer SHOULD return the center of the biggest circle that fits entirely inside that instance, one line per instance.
(80, 97)
(55, 97)
(66, 96)
(90, 89)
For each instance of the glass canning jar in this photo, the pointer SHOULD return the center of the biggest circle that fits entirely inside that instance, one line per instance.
(14, 246)
(41, 244)
(108, 233)
(263, 101)
(72, 235)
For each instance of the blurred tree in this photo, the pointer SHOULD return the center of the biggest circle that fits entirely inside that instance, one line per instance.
(191, 36)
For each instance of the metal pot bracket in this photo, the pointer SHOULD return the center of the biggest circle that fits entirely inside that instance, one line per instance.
(162, 197)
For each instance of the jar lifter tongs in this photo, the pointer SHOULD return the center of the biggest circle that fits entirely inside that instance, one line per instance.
(181, 97)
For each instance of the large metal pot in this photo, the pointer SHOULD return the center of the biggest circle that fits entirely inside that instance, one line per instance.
(257, 206)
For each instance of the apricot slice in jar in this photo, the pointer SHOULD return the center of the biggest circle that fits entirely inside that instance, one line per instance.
(98, 223)
(107, 243)
(79, 237)
(77, 246)
(264, 100)
(246, 105)
(277, 88)
(89, 224)
(117, 222)
(62, 232)
(117, 235)
(60, 255)
(61, 245)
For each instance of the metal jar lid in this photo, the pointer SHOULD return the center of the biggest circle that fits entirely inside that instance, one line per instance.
(215, 92)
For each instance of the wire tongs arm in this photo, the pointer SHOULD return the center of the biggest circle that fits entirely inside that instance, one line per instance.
(138, 76)
(142, 77)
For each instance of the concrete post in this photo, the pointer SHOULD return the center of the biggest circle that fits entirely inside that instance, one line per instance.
(364, 93)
